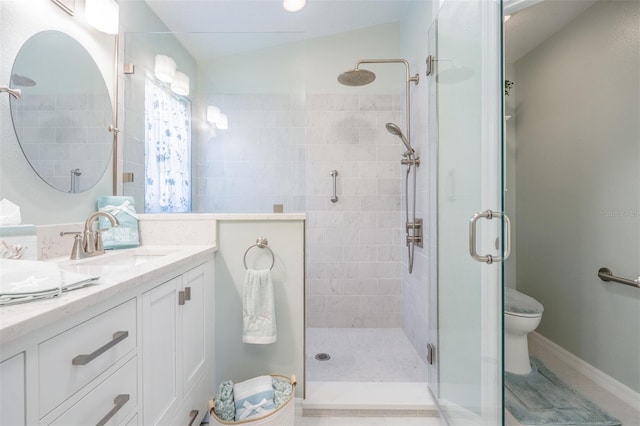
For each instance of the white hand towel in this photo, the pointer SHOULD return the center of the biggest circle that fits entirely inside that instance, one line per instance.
(258, 308)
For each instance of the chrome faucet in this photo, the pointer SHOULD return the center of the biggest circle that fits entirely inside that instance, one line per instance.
(89, 242)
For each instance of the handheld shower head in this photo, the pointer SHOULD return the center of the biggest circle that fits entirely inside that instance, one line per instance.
(395, 130)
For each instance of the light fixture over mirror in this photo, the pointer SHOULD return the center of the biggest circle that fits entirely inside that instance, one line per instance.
(217, 118)
(164, 68)
(180, 84)
(102, 15)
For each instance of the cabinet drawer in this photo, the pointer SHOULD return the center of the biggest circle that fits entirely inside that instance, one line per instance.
(93, 346)
(109, 403)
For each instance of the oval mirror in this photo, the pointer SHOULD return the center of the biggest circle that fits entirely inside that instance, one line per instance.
(62, 118)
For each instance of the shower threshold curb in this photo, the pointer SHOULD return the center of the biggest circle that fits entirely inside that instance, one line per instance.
(400, 398)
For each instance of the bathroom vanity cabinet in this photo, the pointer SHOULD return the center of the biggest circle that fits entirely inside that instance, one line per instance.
(141, 355)
(12, 396)
(174, 349)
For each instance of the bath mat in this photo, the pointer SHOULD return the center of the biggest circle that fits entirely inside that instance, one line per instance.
(541, 398)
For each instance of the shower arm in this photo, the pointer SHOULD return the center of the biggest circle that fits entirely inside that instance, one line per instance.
(16, 93)
(415, 79)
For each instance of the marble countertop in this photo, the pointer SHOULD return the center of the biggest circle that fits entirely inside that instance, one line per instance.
(21, 319)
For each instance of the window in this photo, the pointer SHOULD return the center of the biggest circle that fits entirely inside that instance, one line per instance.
(167, 150)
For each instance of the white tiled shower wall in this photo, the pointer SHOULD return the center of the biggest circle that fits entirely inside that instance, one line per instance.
(281, 149)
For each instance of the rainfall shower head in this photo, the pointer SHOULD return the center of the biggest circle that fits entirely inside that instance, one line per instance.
(356, 77)
(395, 130)
(22, 80)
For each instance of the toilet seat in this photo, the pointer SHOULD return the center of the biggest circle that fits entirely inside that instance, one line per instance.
(521, 305)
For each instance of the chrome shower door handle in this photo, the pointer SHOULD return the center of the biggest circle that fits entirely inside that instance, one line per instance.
(489, 259)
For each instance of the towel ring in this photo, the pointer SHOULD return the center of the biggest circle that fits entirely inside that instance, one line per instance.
(261, 242)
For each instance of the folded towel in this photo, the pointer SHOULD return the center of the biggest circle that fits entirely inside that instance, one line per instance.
(224, 405)
(282, 390)
(26, 280)
(126, 234)
(253, 397)
(258, 308)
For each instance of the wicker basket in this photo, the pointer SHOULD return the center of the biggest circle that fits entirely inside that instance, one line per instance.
(284, 415)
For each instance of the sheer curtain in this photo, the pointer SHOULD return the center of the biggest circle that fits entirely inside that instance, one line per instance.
(167, 150)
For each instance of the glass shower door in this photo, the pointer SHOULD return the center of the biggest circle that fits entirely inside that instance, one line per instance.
(466, 48)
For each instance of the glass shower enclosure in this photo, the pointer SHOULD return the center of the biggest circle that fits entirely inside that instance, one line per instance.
(466, 76)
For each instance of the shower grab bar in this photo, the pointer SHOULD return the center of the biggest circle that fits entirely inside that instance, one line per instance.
(334, 174)
(606, 274)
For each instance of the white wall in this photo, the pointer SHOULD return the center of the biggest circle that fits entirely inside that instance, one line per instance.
(239, 361)
(41, 204)
(290, 124)
(578, 182)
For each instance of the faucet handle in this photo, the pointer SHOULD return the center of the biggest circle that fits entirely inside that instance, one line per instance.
(76, 251)
(99, 243)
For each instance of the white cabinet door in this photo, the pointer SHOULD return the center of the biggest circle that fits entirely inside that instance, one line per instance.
(160, 319)
(193, 327)
(12, 391)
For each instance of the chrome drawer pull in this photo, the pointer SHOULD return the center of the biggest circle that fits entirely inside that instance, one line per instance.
(119, 400)
(85, 359)
(187, 293)
(194, 415)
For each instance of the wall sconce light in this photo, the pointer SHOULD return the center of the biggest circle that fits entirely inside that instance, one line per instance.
(218, 119)
(223, 122)
(180, 84)
(294, 5)
(102, 15)
(164, 68)
(213, 114)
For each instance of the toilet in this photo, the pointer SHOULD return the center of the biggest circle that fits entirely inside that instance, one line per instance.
(522, 314)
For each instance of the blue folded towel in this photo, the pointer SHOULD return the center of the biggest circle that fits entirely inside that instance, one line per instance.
(254, 397)
(126, 234)
(224, 403)
(282, 390)
(258, 308)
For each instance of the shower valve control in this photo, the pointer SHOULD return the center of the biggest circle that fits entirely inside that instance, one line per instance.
(414, 232)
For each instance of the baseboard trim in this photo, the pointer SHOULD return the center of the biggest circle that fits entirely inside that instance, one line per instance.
(616, 388)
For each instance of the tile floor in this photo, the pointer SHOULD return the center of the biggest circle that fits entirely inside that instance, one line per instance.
(389, 420)
(365, 364)
(363, 355)
(371, 365)
(628, 415)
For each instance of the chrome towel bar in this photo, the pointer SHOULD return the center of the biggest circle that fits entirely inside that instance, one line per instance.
(606, 274)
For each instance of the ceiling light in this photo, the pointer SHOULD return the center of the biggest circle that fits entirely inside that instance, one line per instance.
(165, 68)
(293, 5)
(102, 15)
(180, 84)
